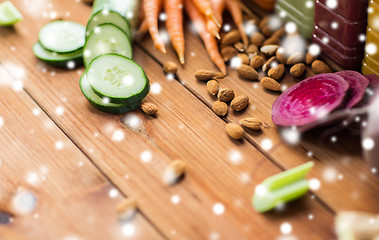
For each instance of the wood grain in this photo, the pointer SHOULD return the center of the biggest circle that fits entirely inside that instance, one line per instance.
(185, 129)
(358, 188)
(72, 195)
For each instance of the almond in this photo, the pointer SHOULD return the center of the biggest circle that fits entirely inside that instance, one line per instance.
(279, 33)
(252, 49)
(251, 123)
(239, 46)
(270, 84)
(309, 58)
(170, 67)
(239, 103)
(228, 52)
(276, 72)
(231, 37)
(297, 57)
(320, 67)
(244, 58)
(225, 94)
(205, 75)
(269, 64)
(264, 21)
(212, 86)
(234, 131)
(245, 71)
(281, 55)
(126, 209)
(269, 50)
(297, 70)
(173, 172)
(220, 108)
(149, 108)
(272, 41)
(267, 31)
(257, 62)
(257, 39)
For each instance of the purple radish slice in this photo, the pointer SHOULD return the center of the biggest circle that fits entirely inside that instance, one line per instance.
(358, 84)
(309, 100)
(374, 80)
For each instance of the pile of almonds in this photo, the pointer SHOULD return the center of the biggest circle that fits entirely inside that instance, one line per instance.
(265, 54)
(226, 95)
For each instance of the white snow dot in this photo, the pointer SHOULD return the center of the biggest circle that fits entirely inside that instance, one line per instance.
(362, 37)
(128, 230)
(310, 217)
(170, 77)
(162, 17)
(333, 139)
(175, 199)
(227, 28)
(245, 178)
(371, 48)
(309, 4)
(146, 156)
(118, 135)
(314, 184)
(325, 40)
(131, 120)
(59, 145)
(128, 80)
(155, 88)
(291, 27)
(373, 170)
(59, 110)
(261, 190)
(340, 176)
(291, 135)
(330, 174)
(235, 62)
(106, 100)
(314, 49)
(53, 14)
(24, 202)
(32, 178)
(218, 208)
(235, 156)
(113, 193)
(334, 25)
(332, 4)
(266, 144)
(1, 121)
(214, 236)
(71, 64)
(17, 85)
(368, 144)
(286, 228)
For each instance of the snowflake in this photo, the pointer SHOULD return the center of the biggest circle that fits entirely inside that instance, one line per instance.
(368, 144)
(128, 229)
(175, 199)
(155, 88)
(266, 144)
(218, 208)
(331, 4)
(113, 193)
(146, 156)
(314, 184)
(285, 228)
(24, 202)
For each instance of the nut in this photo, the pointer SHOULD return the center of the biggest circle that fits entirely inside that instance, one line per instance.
(269, 50)
(269, 63)
(245, 71)
(212, 87)
(173, 172)
(170, 67)
(231, 37)
(276, 72)
(257, 62)
(225, 94)
(126, 208)
(149, 108)
(220, 108)
(267, 31)
(297, 70)
(228, 52)
(239, 103)
(320, 67)
(281, 55)
(205, 75)
(270, 84)
(251, 123)
(309, 58)
(279, 33)
(297, 57)
(239, 46)
(244, 58)
(234, 131)
(272, 41)
(257, 39)
(252, 49)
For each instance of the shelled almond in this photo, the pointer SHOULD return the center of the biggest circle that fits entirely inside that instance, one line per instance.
(247, 72)
(271, 62)
(149, 108)
(276, 72)
(225, 94)
(257, 62)
(257, 39)
(239, 103)
(228, 52)
(220, 108)
(319, 66)
(205, 75)
(170, 67)
(244, 58)
(231, 37)
(174, 171)
(251, 123)
(269, 50)
(297, 70)
(234, 131)
(212, 86)
(270, 84)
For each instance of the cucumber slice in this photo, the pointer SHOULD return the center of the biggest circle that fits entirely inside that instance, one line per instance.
(58, 59)
(106, 38)
(62, 36)
(118, 78)
(9, 14)
(108, 16)
(102, 104)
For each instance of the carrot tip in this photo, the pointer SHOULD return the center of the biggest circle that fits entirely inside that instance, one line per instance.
(181, 59)
(217, 35)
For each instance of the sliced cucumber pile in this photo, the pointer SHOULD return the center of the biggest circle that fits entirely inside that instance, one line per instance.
(9, 14)
(61, 44)
(108, 16)
(62, 36)
(106, 38)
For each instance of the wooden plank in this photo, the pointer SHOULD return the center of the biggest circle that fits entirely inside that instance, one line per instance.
(36, 156)
(179, 131)
(331, 158)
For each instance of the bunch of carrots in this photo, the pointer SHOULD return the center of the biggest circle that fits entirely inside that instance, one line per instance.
(206, 15)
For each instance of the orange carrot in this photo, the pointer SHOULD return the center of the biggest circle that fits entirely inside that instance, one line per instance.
(143, 27)
(235, 9)
(152, 9)
(209, 41)
(174, 24)
(218, 8)
(205, 7)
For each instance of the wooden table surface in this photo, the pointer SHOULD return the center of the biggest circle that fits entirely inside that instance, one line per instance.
(54, 144)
